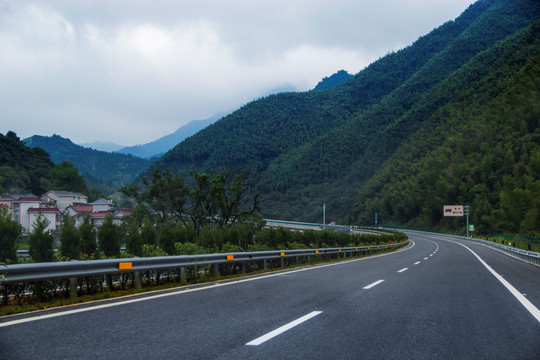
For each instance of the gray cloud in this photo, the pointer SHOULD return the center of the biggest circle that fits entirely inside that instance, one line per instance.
(132, 71)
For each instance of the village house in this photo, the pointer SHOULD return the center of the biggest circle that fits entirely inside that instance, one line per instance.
(26, 207)
(53, 205)
(63, 199)
(51, 214)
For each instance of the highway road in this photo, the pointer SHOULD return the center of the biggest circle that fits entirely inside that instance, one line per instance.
(434, 300)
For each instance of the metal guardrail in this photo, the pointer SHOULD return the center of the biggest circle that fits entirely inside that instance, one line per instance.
(525, 255)
(20, 273)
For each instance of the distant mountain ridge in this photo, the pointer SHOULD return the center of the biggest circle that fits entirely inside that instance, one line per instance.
(103, 146)
(333, 80)
(102, 170)
(160, 146)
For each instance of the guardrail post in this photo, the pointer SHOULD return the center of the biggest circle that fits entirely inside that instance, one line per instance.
(265, 264)
(297, 260)
(183, 275)
(243, 267)
(137, 280)
(282, 262)
(216, 269)
(73, 287)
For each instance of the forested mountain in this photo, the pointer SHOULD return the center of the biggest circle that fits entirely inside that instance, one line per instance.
(102, 170)
(30, 170)
(333, 80)
(417, 129)
(103, 146)
(162, 145)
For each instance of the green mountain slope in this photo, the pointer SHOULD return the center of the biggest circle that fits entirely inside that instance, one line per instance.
(333, 80)
(102, 170)
(26, 170)
(324, 146)
(262, 130)
(481, 149)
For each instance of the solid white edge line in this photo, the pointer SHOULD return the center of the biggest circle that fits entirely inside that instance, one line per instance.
(282, 329)
(402, 270)
(372, 285)
(522, 299)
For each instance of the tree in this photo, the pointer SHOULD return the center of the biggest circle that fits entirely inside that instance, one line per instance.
(148, 232)
(65, 176)
(109, 237)
(9, 232)
(41, 240)
(166, 195)
(70, 239)
(134, 240)
(88, 236)
(222, 200)
(166, 238)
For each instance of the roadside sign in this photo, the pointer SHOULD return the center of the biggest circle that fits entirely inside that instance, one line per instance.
(453, 210)
(471, 227)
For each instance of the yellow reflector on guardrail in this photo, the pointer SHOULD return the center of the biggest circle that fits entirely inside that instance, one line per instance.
(339, 250)
(230, 257)
(316, 251)
(282, 254)
(125, 266)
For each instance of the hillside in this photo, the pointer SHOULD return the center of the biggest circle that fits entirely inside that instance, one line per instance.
(481, 149)
(26, 170)
(329, 82)
(331, 146)
(103, 170)
(162, 145)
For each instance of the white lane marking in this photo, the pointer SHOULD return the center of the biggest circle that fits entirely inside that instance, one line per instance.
(372, 285)
(524, 301)
(183, 291)
(281, 330)
(402, 270)
(416, 263)
(425, 258)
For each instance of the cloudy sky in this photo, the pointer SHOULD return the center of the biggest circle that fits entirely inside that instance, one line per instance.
(131, 71)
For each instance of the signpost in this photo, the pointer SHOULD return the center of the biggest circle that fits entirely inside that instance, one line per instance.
(453, 210)
(458, 210)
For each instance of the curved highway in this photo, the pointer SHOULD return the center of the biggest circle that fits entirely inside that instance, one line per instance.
(441, 298)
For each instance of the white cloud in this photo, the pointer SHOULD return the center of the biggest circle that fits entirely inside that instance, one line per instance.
(132, 71)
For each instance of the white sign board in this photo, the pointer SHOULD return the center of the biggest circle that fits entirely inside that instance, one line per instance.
(453, 210)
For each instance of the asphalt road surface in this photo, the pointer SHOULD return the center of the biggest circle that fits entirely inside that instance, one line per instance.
(442, 298)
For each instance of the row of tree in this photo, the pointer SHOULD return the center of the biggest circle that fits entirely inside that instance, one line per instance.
(30, 170)
(165, 238)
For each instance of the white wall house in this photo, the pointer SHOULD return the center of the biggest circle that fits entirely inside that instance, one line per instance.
(102, 205)
(63, 199)
(18, 204)
(51, 214)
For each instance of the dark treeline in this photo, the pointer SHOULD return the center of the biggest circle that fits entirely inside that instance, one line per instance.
(30, 170)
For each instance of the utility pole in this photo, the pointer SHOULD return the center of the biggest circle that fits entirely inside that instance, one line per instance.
(324, 215)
